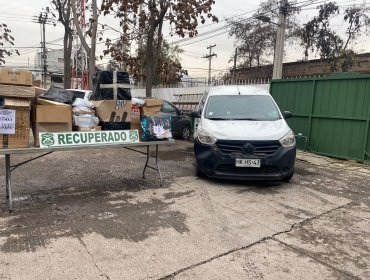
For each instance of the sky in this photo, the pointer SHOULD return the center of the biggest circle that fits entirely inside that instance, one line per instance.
(21, 18)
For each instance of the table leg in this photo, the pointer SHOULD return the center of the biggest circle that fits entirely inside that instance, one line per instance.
(157, 164)
(9, 194)
(147, 160)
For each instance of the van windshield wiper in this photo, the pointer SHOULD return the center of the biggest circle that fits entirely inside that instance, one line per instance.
(218, 119)
(246, 119)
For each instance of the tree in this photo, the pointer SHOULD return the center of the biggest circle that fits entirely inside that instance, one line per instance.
(255, 39)
(168, 65)
(92, 32)
(317, 35)
(6, 41)
(182, 16)
(63, 9)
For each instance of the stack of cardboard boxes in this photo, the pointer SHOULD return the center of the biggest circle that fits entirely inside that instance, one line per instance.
(18, 96)
(49, 116)
(152, 107)
(16, 93)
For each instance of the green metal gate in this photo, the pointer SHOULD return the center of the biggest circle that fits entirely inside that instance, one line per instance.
(332, 112)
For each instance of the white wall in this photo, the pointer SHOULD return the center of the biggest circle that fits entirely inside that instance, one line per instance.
(168, 93)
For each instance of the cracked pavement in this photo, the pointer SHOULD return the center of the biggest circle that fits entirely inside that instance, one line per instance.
(90, 215)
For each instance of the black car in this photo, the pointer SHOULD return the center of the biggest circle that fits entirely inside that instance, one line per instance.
(181, 124)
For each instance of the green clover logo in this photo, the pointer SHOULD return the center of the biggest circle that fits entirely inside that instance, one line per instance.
(133, 136)
(47, 139)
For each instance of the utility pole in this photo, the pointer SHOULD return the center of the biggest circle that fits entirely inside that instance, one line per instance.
(43, 17)
(209, 56)
(235, 57)
(279, 48)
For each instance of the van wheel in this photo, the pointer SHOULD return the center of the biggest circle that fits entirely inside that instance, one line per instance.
(185, 134)
(288, 178)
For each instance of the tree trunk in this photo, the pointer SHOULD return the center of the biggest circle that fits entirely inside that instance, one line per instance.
(67, 57)
(92, 57)
(149, 62)
(159, 46)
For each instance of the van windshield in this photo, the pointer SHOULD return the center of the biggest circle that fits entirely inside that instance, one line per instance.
(241, 107)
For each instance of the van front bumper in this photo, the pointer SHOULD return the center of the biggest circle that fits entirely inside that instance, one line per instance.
(218, 160)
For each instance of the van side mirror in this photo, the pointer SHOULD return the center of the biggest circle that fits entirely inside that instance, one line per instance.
(287, 115)
(195, 114)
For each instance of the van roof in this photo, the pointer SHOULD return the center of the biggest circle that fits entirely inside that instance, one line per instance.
(237, 90)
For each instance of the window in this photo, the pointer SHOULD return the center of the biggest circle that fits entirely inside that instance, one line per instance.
(168, 108)
(242, 107)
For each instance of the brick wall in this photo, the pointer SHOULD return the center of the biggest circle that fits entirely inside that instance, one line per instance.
(309, 68)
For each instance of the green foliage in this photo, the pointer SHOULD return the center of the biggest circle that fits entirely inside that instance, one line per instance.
(318, 35)
(168, 67)
(138, 17)
(255, 39)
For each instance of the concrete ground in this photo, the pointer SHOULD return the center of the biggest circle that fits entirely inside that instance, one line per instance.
(90, 215)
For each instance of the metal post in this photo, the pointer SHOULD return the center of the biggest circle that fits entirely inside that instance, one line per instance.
(9, 194)
(279, 48)
(44, 54)
(235, 58)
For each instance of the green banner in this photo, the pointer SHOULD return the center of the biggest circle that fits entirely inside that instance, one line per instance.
(77, 138)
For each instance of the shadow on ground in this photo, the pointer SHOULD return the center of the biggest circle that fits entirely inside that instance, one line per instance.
(74, 213)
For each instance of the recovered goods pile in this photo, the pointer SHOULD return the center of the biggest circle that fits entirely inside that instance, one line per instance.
(110, 107)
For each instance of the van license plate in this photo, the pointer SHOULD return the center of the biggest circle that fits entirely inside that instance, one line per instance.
(247, 162)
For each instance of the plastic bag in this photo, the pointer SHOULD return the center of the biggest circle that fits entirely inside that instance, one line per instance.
(156, 128)
(58, 95)
(103, 86)
(85, 120)
(79, 102)
(83, 111)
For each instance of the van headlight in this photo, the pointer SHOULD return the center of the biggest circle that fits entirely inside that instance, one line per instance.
(206, 138)
(288, 140)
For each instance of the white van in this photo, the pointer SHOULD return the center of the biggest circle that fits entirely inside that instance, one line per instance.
(242, 134)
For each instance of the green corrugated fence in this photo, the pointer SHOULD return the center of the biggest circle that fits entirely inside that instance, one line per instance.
(332, 112)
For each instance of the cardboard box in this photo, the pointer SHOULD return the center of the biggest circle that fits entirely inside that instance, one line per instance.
(135, 116)
(50, 118)
(152, 111)
(22, 124)
(152, 102)
(52, 114)
(48, 127)
(39, 91)
(17, 91)
(113, 110)
(10, 76)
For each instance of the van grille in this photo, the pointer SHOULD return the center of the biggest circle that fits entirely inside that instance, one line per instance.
(260, 149)
(264, 169)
